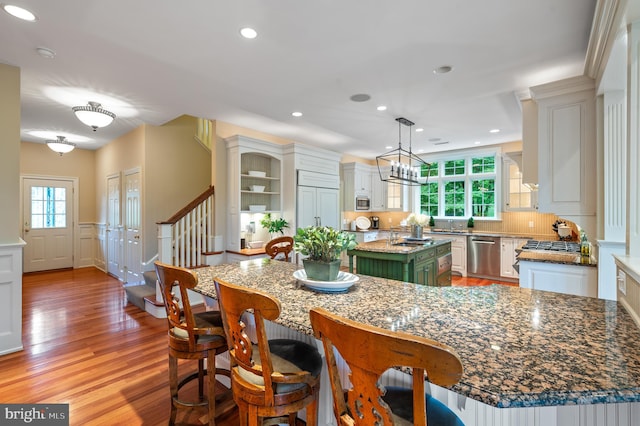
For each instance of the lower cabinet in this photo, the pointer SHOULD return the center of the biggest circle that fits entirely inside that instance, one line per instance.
(508, 256)
(458, 251)
(424, 269)
(560, 278)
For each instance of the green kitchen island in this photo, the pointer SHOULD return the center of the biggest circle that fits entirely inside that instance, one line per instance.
(427, 263)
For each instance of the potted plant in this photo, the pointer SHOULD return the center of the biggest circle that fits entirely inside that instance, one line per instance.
(432, 222)
(470, 222)
(273, 226)
(322, 245)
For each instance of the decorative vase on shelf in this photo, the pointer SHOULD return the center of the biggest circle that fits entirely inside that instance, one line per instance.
(416, 231)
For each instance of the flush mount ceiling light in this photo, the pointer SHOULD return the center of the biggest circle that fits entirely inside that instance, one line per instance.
(401, 166)
(93, 115)
(61, 145)
(249, 33)
(19, 12)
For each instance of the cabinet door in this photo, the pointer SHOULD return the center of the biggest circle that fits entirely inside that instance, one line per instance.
(507, 258)
(378, 192)
(327, 207)
(307, 215)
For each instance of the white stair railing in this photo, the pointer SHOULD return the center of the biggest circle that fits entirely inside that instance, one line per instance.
(187, 236)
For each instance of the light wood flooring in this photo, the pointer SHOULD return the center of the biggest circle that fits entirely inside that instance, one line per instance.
(85, 346)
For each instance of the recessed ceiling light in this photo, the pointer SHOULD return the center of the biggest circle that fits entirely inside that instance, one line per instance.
(419, 129)
(477, 142)
(19, 12)
(382, 108)
(296, 114)
(494, 131)
(248, 33)
(443, 69)
(360, 97)
(46, 52)
(388, 147)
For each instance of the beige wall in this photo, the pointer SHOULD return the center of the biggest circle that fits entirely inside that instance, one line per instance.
(38, 159)
(177, 170)
(10, 158)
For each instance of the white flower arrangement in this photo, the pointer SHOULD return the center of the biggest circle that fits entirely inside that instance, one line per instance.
(418, 219)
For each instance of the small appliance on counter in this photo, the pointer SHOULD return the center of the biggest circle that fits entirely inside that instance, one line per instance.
(375, 222)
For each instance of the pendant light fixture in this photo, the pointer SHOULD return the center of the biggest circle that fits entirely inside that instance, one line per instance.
(93, 115)
(401, 166)
(61, 145)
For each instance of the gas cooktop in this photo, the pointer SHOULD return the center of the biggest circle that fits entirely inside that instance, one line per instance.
(565, 246)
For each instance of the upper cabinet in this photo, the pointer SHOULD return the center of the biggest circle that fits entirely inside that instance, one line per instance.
(517, 195)
(357, 183)
(566, 146)
(363, 180)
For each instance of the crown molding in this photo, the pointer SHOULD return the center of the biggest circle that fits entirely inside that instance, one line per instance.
(607, 19)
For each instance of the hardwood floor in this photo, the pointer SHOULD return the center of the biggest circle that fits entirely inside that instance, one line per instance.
(85, 346)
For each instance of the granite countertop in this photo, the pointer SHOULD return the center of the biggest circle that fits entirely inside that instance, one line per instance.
(519, 347)
(564, 258)
(383, 246)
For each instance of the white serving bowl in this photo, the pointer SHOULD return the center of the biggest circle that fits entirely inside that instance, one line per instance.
(255, 244)
(257, 188)
(257, 173)
(257, 208)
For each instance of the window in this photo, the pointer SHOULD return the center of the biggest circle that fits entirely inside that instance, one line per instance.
(461, 187)
(48, 207)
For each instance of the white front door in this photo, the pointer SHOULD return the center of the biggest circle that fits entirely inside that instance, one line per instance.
(132, 215)
(114, 227)
(48, 224)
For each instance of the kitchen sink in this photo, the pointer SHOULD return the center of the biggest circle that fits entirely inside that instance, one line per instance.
(451, 231)
(409, 244)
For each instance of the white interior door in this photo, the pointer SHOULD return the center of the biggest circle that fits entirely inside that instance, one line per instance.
(114, 227)
(132, 228)
(48, 224)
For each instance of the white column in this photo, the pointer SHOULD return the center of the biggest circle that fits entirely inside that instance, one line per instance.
(633, 140)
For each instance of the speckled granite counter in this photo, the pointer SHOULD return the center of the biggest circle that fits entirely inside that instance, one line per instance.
(383, 246)
(519, 347)
(557, 257)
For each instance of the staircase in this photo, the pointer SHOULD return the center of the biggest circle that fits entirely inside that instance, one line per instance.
(185, 240)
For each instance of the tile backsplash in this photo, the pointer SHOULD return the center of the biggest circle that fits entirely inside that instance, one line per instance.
(510, 222)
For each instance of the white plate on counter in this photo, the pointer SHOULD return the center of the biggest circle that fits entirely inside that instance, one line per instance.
(363, 222)
(344, 281)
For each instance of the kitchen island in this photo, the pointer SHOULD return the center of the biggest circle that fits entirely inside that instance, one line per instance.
(427, 262)
(529, 357)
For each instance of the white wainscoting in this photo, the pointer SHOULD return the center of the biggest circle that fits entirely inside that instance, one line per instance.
(84, 256)
(11, 297)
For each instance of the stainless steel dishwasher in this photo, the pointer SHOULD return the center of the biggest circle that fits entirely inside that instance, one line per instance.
(483, 256)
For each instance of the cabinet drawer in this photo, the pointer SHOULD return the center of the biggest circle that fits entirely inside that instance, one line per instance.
(424, 255)
(443, 249)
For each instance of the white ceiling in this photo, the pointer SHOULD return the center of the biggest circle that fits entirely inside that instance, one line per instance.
(150, 61)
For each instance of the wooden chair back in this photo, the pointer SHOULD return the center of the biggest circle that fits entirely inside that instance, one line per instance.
(234, 301)
(369, 352)
(174, 281)
(279, 245)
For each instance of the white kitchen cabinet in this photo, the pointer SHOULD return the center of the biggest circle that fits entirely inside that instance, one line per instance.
(567, 146)
(318, 207)
(378, 192)
(560, 278)
(508, 256)
(458, 251)
(517, 195)
(357, 182)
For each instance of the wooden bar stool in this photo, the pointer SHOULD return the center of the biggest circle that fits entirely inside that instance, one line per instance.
(280, 245)
(369, 352)
(192, 337)
(269, 378)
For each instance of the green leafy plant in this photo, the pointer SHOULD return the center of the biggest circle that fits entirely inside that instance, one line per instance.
(431, 221)
(322, 243)
(470, 223)
(273, 225)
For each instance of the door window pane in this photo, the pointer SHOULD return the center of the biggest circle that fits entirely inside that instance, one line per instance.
(48, 207)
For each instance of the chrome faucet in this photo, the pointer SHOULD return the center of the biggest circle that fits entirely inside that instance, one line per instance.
(450, 224)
